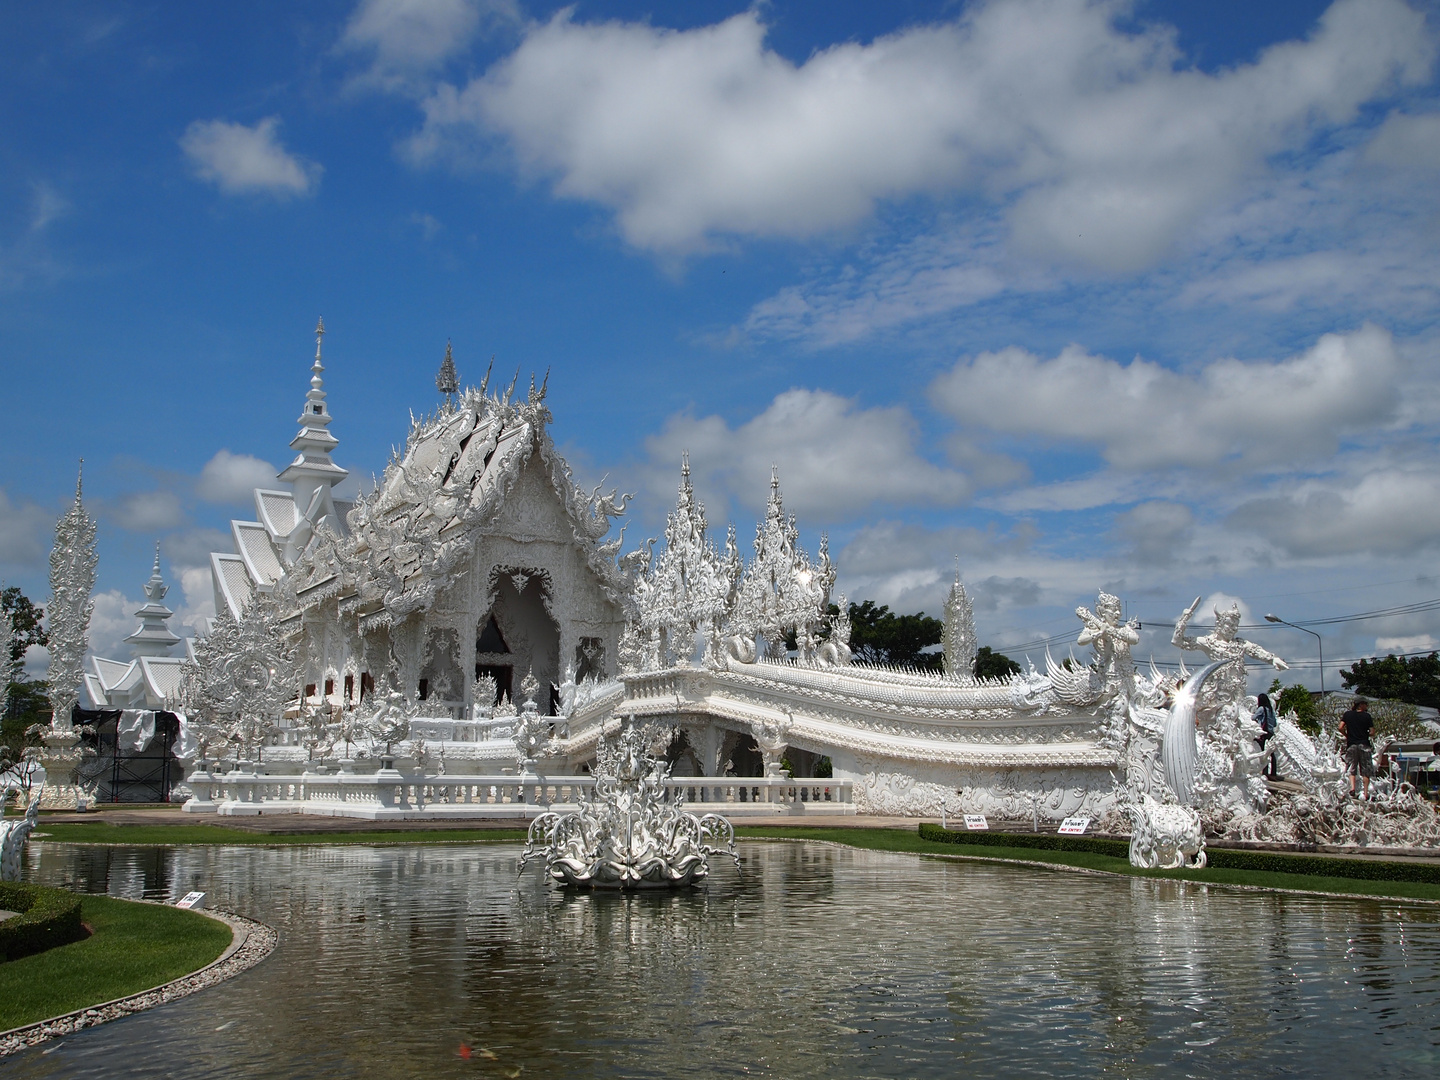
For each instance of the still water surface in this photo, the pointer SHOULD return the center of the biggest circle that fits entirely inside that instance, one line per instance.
(817, 962)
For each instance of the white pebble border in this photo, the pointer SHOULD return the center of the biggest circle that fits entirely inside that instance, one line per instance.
(251, 942)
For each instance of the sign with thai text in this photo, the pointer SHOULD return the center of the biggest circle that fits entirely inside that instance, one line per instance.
(192, 900)
(976, 821)
(1074, 826)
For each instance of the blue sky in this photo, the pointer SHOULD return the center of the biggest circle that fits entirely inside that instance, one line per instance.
(1128, 295)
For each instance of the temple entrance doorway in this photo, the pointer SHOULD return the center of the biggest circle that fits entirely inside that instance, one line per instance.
(518, 636)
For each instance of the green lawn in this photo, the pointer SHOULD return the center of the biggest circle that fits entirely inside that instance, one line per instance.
(133, 947)
(906, 840)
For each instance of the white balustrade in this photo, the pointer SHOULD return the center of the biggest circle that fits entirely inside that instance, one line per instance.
(390, 793)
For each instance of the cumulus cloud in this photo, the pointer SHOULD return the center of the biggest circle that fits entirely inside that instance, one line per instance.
(1409, 644)
(148, 511)
(1100, 142)
(231, 478)
(24, 530)
(111, 622)
(1391, 511)
(244, 160)
(836, 459)
(1155, 531)
(406, 39)
(1144, 416)
(1407, 142)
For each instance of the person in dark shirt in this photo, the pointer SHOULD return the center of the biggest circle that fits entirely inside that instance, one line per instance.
(1356, 725)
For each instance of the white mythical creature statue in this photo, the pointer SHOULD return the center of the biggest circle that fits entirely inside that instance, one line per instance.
(532, 731)
(1110, 678)
(1165, 836)
(15, 833)
(390, 722)
(1230, 760)
(1168, 834)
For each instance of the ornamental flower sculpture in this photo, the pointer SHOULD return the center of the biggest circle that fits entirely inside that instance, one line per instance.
(629, 836)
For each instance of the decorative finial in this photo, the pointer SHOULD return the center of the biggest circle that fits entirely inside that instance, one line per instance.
(319, 333)
(485, 382)
(447, 381)
(79, 479)
(156, 569)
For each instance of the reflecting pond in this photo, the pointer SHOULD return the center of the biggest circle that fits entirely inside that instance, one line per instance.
(818, 961)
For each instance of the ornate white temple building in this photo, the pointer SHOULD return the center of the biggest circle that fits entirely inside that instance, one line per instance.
(461, 639)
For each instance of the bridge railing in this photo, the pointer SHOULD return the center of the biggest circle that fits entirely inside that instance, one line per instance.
(389, 793)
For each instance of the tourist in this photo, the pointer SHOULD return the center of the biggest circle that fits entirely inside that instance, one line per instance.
(1356, 725)
(1265, 717)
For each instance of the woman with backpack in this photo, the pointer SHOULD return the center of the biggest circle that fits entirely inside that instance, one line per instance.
(1265, 716)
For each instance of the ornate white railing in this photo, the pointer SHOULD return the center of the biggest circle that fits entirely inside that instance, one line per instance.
(390, 793)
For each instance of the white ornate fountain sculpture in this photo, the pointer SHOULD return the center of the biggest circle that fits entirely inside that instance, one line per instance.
(629, 836)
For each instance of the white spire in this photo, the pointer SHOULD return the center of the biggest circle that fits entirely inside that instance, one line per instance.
(153, 637)
(312, 474)
(960, 641)
(72, 580)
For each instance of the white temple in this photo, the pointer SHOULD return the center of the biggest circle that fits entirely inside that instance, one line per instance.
(151, 678)
(458, 642)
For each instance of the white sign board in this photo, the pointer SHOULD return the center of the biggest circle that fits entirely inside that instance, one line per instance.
(976, 821)
(1074, 826)
(191, 900)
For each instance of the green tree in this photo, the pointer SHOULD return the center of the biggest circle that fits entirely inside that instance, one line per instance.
(993, 665)
(26, 701)
(1296, 699)
(25, 618)
(878, 636)
(1412, 679)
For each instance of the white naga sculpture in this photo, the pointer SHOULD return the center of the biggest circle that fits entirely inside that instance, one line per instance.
(28, 779)
(629, 836)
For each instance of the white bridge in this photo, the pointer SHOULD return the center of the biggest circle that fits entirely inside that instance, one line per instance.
(390, 794)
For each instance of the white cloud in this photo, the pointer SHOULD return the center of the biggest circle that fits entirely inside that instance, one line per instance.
(49, 204)
(1156, 531)
(1410, 644)
(231, 478)
(148, 511)
(1388, 512)
(111, 622)
(1407, 142)
(409, 38)
(1100, 142)
(835, 458)
(1144, 416)
(243, 160)
(24, 529)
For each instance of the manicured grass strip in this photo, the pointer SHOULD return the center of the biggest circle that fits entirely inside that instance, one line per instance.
(1219, 858)
(99, 832)
(906, 840)
(133, 947)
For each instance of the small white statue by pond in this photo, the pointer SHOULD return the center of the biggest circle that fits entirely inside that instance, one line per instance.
(15, 833)
(629, 836)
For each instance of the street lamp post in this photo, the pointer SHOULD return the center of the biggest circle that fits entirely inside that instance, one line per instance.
(1319, 644)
